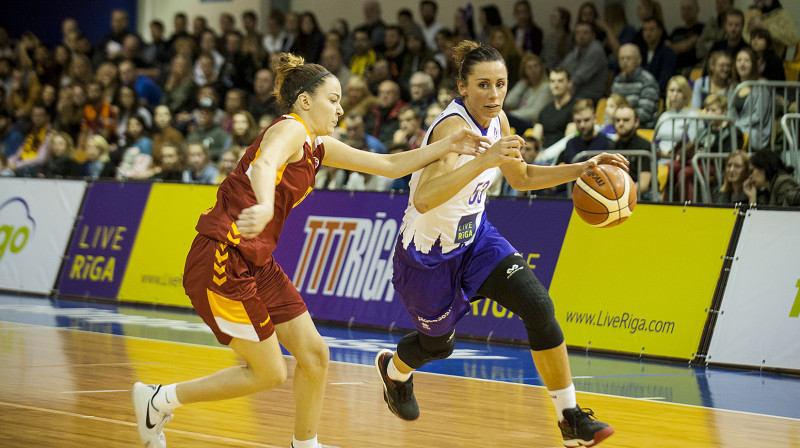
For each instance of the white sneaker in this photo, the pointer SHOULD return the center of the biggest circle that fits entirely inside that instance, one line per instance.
(150, 421)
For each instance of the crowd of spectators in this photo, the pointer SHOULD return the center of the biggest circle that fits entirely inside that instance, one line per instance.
(183, 107)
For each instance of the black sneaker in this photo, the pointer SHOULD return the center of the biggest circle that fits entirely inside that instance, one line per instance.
(579, 428)
(399, 395)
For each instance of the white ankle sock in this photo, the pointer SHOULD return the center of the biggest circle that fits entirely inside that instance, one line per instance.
(395, 374)
(563, 399)
(166, 399)
(310, 443)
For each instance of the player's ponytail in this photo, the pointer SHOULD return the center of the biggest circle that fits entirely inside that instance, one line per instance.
(468, 53)
(294, 77)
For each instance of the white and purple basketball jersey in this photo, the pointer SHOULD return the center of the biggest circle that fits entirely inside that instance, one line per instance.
(454, 223)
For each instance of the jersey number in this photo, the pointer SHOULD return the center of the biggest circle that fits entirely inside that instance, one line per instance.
(479, 193)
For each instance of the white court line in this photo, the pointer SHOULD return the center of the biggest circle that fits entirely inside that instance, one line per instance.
(226, 440)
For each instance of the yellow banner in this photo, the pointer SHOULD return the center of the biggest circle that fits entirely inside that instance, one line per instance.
(155, 270)
(643, 286)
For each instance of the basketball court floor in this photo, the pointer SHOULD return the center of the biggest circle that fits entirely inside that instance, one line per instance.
(67, 368)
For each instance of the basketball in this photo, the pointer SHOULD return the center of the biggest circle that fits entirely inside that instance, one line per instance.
(604, 196)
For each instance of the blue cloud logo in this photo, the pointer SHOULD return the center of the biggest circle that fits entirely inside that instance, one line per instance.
(17, 226)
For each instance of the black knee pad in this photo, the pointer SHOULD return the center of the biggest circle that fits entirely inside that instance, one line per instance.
(417, 349)
(514, 286)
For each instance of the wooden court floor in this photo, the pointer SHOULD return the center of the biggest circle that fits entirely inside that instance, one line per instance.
(68, 388)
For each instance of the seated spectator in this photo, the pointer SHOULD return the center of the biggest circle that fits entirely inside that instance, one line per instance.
(626, 123)
(379, 72)
(186, 122)
(364, 56)
(239, 69)
(714, 29)
(98, 116)
(24, 91)
(434, 69)
(771, 181)
(199, 169)
(79, 70)
(234, 103)
(214, 138)
(262, 100)
(752, 106)
(587, 64)
(107, 75)
(683, 39)
(97, 164)
(677, 123)
(770, 65)
(556, 117)
(618, 32)
(10, 137)
(410, 130)
(164, 131)
(503, 41)
(357, 97)
(147, 90)
(588, 138)
(659, 59)
(357, 137)
(60, 162)
(446, 93)
(718, 80)
(733, 41)
(415, 56)
(637, 85)
(245, 130)
(275, 37)
(613, 102)
(558, 42)
(310, 40)
(331, 59)
(381, 121)
(527, 35)
(717, 136)
(212, 62)
(127, 104)
(777, 20)
(167, 163)
(69, 111)
(205, 63)
(737, 170)
(646, 10)
(431, 114)
(422, 92)
(531, 93)
(32, 155)
(137, 154)
(227, 163)
(394, 50)
(180, 89)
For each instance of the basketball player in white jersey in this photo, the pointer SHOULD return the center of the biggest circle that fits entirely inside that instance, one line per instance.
(447, 252)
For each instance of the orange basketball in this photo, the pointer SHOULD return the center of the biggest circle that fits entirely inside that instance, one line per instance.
(604, 196)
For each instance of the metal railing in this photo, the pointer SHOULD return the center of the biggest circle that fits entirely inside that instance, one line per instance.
(773, 100)
(790, 123)
(700, 123)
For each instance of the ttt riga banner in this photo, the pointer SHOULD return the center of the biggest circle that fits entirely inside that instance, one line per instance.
(36, 218)
(337, 248)
(103, 239)
(759, 321)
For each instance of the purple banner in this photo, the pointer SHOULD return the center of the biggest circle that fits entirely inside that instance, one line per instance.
(103, 239)
(337, 248)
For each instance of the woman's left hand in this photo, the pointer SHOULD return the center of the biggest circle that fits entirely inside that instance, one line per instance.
(466, 141)
(605, 158)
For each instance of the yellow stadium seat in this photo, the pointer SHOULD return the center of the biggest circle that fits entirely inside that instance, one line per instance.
(600, 111)
(696, 74)
(646, 134)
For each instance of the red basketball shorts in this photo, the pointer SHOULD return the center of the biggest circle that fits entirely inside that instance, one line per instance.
(236, 298)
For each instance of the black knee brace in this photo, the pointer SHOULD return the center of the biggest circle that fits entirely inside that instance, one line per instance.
(417, 349)
(514, 286)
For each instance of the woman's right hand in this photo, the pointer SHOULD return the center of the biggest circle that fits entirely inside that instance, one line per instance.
(505, 150)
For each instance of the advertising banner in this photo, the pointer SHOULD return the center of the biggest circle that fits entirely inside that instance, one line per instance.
(103, 239)
(36, 218)
(642, 287)
(759, 322)
(155, 269)
(338, 246)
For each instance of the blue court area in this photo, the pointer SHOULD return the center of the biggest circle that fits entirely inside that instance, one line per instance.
(730, 389)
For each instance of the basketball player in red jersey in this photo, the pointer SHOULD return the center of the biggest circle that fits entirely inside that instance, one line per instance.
(230, 276)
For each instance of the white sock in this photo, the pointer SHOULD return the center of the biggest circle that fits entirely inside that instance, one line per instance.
(310, 443)
(166, 399)
(563, 399)
(395, 374)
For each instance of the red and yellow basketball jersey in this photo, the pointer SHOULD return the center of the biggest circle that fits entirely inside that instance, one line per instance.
(293, 182)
